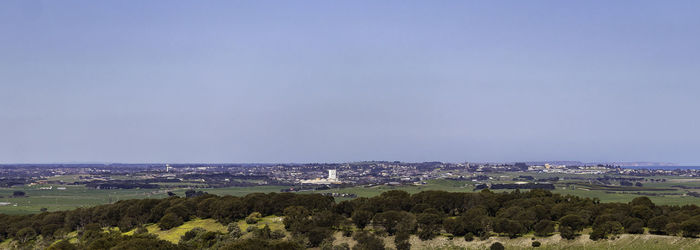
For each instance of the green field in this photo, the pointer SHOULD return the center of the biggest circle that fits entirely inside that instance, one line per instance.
(79, 196)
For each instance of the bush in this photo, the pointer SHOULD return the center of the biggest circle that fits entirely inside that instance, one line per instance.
(673, 228)
(317, 235)
(691, 228)
(25, 234)
(253, 218)
(497, 246)
(544, 228)
(469, 237)
(250, 220)
(567, 233)
(192, 233)
(62, 245)
(141, 230)
(170, 220)
(635, 228)
(402, 240)
(536, 244)
(277, 234)
(367, 241)
(234, 231)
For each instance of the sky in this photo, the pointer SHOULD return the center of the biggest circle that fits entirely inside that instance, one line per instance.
(339, 81)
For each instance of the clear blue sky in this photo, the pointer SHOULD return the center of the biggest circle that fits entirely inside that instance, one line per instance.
(335, 81)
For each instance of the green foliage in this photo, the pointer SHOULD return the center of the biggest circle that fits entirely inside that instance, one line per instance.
(544, 228)
(673, 228)
(62, 245)
(601, 230)
(658, 224)
(691, 228)
(567, 232)
(402, 240)
(253, 218)
(263, 233)
(170, 220)
(317, 235)
(367, 241)
(497, 246)
(536, 244)
(312, 219)
(361, 218)
(634, 226)
(25, 234)
(469, 237)
(296, 219)
(572, 221)
(390, 220)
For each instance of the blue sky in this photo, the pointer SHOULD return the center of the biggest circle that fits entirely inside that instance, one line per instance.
(336, 81)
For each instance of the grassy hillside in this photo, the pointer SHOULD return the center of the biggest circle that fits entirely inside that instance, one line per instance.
(625, 241)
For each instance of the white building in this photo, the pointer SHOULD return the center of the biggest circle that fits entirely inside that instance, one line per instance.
(332, 179)
(332, 175)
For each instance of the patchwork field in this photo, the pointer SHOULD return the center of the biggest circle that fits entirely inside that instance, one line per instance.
(671, 192)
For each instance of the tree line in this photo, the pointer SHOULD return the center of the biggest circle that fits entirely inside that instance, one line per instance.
(312, 219)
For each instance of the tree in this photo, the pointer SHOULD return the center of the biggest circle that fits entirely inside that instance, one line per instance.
(402, 240)
(429, 225)
(18, 194)
(361, 218)
(642, 201)
(170, 220)
(366, 241)
(601, 230)
(691, 228)
(234, 230)
(572, 221)
(634, 226)
(658, 224)
(544, 228)
(497, 246)
(253, 218)
(673, 228)
(318, 235)
(25, 234)
(296, 219)
(567, 232)
(469, 237)
(389, 220)
(62, 245)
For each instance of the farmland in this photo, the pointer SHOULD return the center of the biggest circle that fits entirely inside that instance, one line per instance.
(662, 193)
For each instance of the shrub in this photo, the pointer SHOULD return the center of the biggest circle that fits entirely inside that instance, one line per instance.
(673, 228)
(497, 246)
(567, 233)
(234, 231)
(277, 234)
(544, 228)
(141, 230)
(25, 234)
(170, 220)
(253, 218)
(469, 237)
(536, 244)
(367, 241)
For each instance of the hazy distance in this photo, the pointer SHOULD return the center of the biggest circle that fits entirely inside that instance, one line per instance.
(134, 81)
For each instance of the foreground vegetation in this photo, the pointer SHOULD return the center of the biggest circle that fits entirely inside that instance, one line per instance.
(295, 221)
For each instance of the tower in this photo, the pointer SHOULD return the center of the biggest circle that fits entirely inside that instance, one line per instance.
(332, 175)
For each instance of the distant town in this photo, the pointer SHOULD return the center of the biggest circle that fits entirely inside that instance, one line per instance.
(318, 175)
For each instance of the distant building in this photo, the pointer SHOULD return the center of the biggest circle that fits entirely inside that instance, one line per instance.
(332, 175)
(332, 179)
